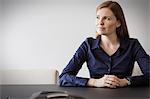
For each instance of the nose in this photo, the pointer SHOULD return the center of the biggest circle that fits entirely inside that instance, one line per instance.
(101, 22)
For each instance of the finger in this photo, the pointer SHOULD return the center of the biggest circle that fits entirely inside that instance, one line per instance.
(109, 85)
(112, 82)
(105, 76)
(113, 78)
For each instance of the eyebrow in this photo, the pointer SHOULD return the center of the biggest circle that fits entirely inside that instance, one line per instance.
(112, 16)
(107, 15)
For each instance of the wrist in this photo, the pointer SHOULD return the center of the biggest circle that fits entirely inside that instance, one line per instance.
(91, 82)
(128, 81)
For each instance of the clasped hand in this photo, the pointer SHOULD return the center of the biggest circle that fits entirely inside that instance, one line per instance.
(110, 81)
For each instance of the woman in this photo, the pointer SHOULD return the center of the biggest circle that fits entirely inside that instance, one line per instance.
(111, 56)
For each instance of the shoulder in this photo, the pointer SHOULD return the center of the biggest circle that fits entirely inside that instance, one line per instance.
(89, 42)
(90, 39)
(129, 43)
(134, 41)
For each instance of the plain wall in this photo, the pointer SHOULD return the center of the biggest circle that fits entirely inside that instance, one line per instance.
(46, 33)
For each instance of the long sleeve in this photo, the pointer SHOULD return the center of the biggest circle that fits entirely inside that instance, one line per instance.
(143, 60)
(68, 76)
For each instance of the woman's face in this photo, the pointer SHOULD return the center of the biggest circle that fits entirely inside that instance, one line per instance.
(106, 22)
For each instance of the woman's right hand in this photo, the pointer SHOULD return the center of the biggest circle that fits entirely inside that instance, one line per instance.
(110, 81)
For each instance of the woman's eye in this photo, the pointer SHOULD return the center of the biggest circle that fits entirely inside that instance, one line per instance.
(97, 17)
(104, 18)
(107, 18)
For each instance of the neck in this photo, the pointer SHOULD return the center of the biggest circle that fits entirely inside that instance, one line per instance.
(110, 40)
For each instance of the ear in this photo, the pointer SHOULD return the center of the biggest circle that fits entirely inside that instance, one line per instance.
(118, 23)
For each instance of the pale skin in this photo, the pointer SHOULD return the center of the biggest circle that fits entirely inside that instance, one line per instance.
(106, 24)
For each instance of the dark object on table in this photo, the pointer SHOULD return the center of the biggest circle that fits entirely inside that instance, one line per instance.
(53, 95)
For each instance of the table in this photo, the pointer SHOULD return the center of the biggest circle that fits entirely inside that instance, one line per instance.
(25, 91)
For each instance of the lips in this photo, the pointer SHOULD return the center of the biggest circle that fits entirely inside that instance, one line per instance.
(101, 28)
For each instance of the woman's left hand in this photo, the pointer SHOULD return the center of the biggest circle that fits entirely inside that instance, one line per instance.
(114, 80)
(123, 82)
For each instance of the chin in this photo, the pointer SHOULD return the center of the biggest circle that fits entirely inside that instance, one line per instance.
(100, 33)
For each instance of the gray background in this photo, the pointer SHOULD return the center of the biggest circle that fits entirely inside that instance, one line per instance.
(46, 33)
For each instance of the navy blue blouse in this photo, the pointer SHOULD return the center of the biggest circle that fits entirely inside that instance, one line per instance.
(99, 63)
